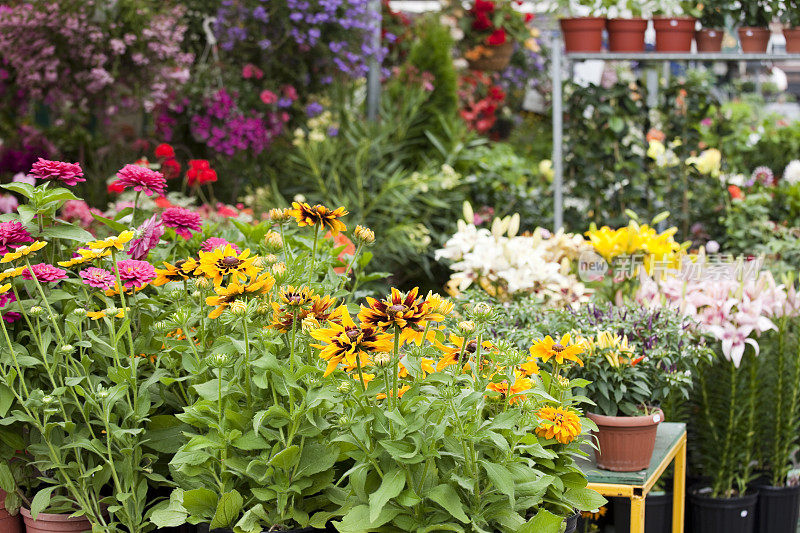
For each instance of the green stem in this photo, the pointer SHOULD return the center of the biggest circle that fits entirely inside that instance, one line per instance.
(313, 254)
(247, 377)
(286, 245)
(294, 334)
(50, 312)
(395, 364)
(350, 265)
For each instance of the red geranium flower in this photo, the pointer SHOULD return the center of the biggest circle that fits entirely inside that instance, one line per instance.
(171, 169)
(164, 151)
(196, 168)
(481, 22)
(735, 192)
(483, 6)
(115, 187)
(529, 17)
(497, 37)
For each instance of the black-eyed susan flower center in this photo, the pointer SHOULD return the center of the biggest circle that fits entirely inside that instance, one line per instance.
(472, 346)
(396, 309)
(230, 262)
(557, 347)
(353, 334)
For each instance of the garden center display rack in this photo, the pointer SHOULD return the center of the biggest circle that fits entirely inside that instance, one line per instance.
(560, 59)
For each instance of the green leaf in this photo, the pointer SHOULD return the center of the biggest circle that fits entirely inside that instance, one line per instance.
(200, 502)
(113, 224)
(393, 482)
(285, 458)
(41, 501)
(68, 232)
(584, 499)
(6, 399)
(228, 509)
(25, 189)
(501, 477)
(357, 520)
(26, 214)
(543, 522)
(447, 497)
(7, 482)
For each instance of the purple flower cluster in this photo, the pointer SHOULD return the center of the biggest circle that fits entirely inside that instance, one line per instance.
(228, 130)
(330, 33)
(69, 57)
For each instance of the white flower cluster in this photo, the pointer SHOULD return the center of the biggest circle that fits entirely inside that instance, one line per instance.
(791, 174)
(504, 263)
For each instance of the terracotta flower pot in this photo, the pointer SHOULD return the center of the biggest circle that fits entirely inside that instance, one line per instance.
(626, 35)
(792, 36)
(8, 523)
(754, 40)
(626, 442)
(583, 34)
(709, 40)
(674, 34)
(54, 523)
(493, 58)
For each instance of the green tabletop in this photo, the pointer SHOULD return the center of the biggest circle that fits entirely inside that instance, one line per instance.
(668, 435)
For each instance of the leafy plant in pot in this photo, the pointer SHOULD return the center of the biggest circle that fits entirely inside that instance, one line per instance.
(15, 471)
(581, 33)
(754, 33)
(712, 15)
(620, 388)
(779, 497)
(789, 13)
(491, 27)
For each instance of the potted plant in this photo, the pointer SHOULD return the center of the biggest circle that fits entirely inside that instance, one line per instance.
(712, 17)
(490, 28)
(790, 16)
(674, 27)
(627, 24)
(754, 32)
(581, 33)
(15, 473)
(779, 493)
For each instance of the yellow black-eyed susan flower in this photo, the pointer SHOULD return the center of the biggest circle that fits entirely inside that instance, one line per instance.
(346, 341)
(222, 262)
(319, 215)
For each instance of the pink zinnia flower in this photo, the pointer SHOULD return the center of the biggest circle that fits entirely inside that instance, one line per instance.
(77, 211)
(182, 220)
(8, 203)
(45, 273)
(148, 235)
(141, 179)
(213, 243)
(12, 233)
(6, 299)
(23, 178)
(268, 97)
(134, 273)
(99, 278)
(67, 173)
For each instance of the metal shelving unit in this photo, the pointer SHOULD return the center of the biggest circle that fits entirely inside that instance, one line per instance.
(559, 59)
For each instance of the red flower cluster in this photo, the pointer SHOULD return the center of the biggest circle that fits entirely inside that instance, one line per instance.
(480, 12)
(200, 172)
(169, 165)
(480, 99)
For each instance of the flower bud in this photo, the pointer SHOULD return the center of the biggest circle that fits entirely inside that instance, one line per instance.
(278, 215)
(66, 349)
(238, 308)
(273, 241)
(182, 315)
(79, 312)
(202, 283)
(311, 381)
(363, 235)
(112, 311)
(196, 294)
(36, 311)
(162, 326)
(48, 399)
(176, 295)
(309, 323)
(344, 421)
(382, 359)
(219, 360)
(466, 326)
(269, 259)
(279, 269)
(344, 387)
(482, 311)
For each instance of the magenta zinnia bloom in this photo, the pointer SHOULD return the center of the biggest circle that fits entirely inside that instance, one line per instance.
(99, 278)
(67, 173)
(213, 243)
(45, 273)
(13, 233)
(6, 299)
(141, 179)
(148, 235)
(182, 220)
(134, 273)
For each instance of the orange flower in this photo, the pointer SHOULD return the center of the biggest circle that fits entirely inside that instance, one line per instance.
(735, 192)
(656, 135)
(339, 240)
(400, 392)
(558, 423)
(562, 351)
(521, 384)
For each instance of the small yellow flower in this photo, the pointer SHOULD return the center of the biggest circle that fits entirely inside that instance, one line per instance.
(562, 351)
(5, 288)
(117, 242)
(226, 262)
(11, 273)
(363, 235)
(305, 215)
(23, 251)
(558, 423)
(84, 256)
(97, 315)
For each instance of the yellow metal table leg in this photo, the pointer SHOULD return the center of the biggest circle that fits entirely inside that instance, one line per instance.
(679, 489)
(637, 514)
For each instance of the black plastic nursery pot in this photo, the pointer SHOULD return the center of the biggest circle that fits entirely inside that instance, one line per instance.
(203, 528)
(723, 515)
(572, 522)
(778, 509)
(657, 513)
(186, 528)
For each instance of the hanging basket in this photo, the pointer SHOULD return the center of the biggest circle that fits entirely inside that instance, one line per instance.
(493, 58)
